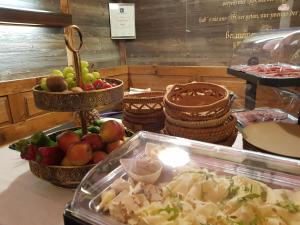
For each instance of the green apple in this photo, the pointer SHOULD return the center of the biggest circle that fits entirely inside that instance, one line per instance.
(88, 78)
(68, 69)
(84, 70)
(70, 75)
(96, 75)
(57, 73)
(43, 83)
(84, 64)
(71, 82)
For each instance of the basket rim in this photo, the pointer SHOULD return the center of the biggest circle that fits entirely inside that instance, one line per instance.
(62, 167)
(207, 106)
(198, 124)
(229, 123)
(121, 83)
(145, 95)
(184, 115)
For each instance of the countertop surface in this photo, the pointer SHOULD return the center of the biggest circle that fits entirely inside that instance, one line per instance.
(28, 200)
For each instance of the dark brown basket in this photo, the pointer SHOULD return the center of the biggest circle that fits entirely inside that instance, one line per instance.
(71, 101)
(230, 140)
(212, 134)
(143, 103)
(197, 101)
(144, 118)
(64, 176)
(153, 127)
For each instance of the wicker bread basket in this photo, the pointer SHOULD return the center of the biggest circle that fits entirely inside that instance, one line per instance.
(212, 134)
(71, 101)
(197, 101)
(198, 124)
(228, 142)
(153, 127)
(143, 103)
(144, 118)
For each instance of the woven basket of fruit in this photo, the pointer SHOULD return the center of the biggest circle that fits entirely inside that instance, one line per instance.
(197, 101)
(76, 99)
(63, 158)
(147, 102)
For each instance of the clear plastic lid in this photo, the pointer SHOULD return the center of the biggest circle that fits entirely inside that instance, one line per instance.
(270, 54)
(173, 153)
(270, 47)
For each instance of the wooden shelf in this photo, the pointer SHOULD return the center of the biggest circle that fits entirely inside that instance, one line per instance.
(34, 18)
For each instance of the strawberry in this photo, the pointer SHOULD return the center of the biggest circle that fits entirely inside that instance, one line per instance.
(106, 85)
(49, 155)
(88, 87)
(98, 84)
(29, 153)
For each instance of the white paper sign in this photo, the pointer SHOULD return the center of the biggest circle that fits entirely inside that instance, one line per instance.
(122, 20)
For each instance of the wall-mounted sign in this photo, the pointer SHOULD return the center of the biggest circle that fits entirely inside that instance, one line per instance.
(122, 20)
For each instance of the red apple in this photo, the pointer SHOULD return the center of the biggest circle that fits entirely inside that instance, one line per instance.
(67, 138)
(99, 156)
(94, 140)
(111, 131)
(79, 154)
(65, 162)
(113, 145)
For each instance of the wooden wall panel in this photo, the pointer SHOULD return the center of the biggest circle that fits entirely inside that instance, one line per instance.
(31, 109)
(157, 82)
(22, 129)
(195, 32)
(30, 51)
(5, 116)
(93, 19)
(49, 5)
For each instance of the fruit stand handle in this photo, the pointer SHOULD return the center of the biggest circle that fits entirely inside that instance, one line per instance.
(78, 71)
(76, 56)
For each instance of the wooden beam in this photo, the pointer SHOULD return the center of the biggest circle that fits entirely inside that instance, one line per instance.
(114, 71)
(17, 86)
(39, 18)
(23, 129)
(122, 51)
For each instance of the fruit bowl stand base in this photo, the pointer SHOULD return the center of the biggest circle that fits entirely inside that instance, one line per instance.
(63, 176)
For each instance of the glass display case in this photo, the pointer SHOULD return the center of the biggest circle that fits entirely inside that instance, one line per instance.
(270, 58)
(169, 156)
(276, 47)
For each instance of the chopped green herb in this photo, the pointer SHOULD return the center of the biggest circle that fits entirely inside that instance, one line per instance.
(290, 206)
(249, 197)
(232, 190)
(263, 195)
(236, 222)
(255, 221)
(170, 210)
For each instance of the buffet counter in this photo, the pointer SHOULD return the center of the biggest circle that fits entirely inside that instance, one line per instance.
(26, 199)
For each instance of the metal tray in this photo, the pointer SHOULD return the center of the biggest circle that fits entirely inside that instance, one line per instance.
(290, 118)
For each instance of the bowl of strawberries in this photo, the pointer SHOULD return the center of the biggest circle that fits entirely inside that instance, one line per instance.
(63, 158)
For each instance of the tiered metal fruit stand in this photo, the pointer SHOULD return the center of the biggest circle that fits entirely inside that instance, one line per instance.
(68, 101)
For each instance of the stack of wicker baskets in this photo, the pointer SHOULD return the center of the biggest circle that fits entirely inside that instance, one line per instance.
(200, 111)
(144, 111)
